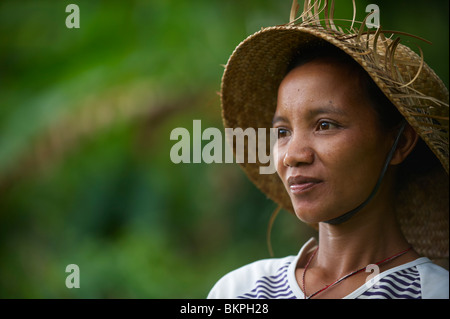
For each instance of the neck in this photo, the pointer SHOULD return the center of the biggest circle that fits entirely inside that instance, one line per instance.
(368, 237)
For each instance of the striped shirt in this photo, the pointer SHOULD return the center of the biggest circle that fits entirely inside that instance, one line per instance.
(402, 284)
(275, 279)
(271, 287)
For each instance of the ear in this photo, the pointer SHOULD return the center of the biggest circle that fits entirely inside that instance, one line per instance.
(406, 144)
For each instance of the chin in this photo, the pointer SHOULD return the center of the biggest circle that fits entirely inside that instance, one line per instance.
(314, 215)
(309, 216)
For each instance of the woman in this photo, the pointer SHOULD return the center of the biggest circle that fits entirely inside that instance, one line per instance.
(361, 154)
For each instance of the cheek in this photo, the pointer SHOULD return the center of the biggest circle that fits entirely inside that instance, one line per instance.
(278, 157)
(352, 160)
(333, 153)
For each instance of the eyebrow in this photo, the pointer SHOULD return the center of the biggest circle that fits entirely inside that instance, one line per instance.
(279, 119)
(314, 112)
(329, 109)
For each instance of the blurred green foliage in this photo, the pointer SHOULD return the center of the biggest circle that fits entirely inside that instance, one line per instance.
(85, 120)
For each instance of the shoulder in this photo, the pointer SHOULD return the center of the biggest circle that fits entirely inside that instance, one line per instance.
(243, 280)
(419, 279)
(434, 280)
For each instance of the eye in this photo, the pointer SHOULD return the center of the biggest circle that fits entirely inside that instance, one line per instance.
(282, 132)
(326, 125)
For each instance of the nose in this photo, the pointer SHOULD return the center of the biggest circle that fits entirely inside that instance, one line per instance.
(298, 153)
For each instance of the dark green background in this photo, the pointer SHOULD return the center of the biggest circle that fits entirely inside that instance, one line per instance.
(85, 120)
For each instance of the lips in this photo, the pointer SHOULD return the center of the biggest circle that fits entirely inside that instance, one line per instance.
(301, 184)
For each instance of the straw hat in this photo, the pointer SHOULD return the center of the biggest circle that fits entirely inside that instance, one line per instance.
(259, 63)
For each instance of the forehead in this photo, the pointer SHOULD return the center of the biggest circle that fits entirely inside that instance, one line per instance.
(323, 82)
(343, 71)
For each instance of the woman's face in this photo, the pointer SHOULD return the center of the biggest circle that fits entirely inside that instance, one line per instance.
(330, 148)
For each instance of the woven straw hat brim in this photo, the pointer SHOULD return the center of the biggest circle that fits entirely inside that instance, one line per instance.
(249, 97)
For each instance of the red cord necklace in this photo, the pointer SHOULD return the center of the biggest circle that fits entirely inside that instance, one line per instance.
(346, 276)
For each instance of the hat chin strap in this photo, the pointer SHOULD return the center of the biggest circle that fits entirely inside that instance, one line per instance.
(348, 215)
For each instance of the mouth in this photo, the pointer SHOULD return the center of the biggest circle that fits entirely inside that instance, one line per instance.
(302, 184)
